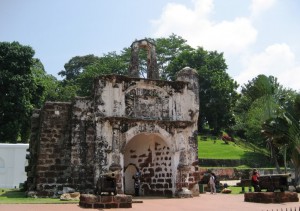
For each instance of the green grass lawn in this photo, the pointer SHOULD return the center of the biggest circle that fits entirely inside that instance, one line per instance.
(217, 149)
(15, 196)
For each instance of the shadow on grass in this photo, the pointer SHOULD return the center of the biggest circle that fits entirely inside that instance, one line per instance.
(256, 159)
(13, 194)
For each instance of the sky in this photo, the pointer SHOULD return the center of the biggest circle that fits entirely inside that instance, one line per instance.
(255, 36)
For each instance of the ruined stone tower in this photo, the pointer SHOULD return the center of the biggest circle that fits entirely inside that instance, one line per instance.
(129, 124)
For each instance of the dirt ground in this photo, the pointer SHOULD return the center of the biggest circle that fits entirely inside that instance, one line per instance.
(206, 202)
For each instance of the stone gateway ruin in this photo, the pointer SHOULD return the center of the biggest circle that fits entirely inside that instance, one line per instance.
(128, 125)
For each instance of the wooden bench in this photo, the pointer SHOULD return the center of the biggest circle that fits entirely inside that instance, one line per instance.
(245, 183)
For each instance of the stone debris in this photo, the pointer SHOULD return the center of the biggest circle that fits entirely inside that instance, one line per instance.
(70, 196)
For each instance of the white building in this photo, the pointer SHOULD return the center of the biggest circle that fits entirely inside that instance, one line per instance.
(12, 165)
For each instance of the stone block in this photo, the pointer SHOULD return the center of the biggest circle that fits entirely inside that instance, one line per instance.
(106, 199)
(85, 205)
(98, 206)
(122, 198)
(271, 197)
(125, 205)
(88, 198)
(111, 205)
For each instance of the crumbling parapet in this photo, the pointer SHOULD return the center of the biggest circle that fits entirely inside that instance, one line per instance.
(152, 70)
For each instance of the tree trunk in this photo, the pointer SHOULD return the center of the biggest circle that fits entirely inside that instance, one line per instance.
(275, 159)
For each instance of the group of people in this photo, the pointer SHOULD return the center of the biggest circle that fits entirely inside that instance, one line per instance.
(211, 182)
(254, 181)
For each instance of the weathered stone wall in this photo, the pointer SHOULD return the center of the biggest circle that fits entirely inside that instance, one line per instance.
(82, 144)
(49, 165)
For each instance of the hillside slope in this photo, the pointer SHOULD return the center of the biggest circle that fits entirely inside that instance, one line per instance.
(219, 150)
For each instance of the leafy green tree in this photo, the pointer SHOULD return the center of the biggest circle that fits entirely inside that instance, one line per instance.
(167, 49)
(18, 91)
(217, 90)
(110, 63)
(259, 94)
(76, 65)
(284, 130)
(46, 85)
(259, 106)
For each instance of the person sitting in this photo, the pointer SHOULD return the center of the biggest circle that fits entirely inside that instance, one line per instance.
(255, 180)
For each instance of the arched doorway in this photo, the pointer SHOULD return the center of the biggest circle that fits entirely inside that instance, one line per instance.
(149, 154)
(130, 170)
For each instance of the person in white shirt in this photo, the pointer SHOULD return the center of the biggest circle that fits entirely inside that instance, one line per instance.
(212, 183)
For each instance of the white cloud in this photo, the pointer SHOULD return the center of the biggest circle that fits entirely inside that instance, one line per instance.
(277, 60)
(194, 25)
(229, 37)
(234, 37)
(257, 7)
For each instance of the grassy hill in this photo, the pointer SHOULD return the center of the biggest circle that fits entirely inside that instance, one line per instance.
(218, 149)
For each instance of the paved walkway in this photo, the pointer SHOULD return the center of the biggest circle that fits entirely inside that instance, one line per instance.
(205, 202)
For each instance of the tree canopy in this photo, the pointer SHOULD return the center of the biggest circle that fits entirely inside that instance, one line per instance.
(217, 89)
(19, 92)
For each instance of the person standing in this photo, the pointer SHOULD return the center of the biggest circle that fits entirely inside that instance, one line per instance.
(137, 183)
(212, 183)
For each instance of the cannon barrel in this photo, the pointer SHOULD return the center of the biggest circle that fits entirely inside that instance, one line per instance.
(274, 181)
(112, 174)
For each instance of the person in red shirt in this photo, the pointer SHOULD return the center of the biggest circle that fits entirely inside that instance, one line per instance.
(255, 180)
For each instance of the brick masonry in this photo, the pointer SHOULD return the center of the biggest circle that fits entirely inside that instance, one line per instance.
(271, 197)
(105, 202)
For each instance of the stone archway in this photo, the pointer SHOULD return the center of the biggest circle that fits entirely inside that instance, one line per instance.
(152, 70)
(151, 155)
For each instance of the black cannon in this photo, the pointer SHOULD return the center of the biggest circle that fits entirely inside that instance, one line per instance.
(274, 182)
(106, 184)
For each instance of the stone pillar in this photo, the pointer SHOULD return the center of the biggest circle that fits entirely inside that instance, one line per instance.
(190, 75)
